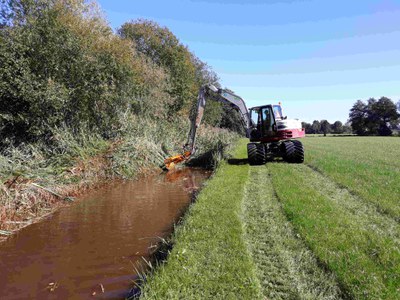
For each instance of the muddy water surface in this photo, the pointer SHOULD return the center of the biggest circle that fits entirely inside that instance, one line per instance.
(95, 244)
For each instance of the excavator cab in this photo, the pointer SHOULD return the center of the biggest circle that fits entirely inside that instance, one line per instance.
(263, 122)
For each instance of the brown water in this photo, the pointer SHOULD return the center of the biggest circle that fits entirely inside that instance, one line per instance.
(97, 241)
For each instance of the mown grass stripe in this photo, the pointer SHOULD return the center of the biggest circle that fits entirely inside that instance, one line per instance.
(366, 263)
(367, 166)
(368, 215)
(286, 267)
(210, 259)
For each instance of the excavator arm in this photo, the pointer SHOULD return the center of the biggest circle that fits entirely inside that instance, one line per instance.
(209, 91)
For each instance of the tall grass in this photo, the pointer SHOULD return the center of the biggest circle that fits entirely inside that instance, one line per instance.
(147, 142)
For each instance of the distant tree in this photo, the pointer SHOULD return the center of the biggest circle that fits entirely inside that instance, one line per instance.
(337, 127)
(385, 115)
(398, 109)
(375, 117)
(358, 117)
(307, 127)
(325, 127)
(371, 121)
(347, 128)
(316, 126)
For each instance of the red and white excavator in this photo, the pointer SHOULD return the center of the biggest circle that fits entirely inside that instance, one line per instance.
(271, 134)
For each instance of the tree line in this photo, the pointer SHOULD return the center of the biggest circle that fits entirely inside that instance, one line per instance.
(324, 127)
(373, 117)
(62, 66)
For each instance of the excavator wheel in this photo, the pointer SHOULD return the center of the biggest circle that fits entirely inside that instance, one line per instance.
(261, 155)
(298, 155)
(252, 153)
(287, 149)
(256, 154)
(293, 151)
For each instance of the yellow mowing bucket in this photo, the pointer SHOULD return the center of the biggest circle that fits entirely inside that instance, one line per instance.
(170, 162)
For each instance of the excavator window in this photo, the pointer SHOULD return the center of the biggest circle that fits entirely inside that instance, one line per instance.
(268, 119)
(278, 112)
(255, 117)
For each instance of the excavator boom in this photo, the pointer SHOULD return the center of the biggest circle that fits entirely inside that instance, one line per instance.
(221, 95)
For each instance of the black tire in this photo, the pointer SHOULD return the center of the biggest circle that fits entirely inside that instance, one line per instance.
(261, 157)
(288, 150)
(252, 153)
(298, 155)
(256, 154)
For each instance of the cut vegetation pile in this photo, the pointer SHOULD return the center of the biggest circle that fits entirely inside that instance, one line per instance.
(319, 230)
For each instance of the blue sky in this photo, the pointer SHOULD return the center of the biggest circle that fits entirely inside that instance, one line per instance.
(317, 57)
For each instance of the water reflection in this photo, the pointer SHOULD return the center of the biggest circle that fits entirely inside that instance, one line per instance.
(92, 246)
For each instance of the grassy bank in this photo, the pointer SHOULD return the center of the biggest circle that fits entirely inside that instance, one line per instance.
(210, 258)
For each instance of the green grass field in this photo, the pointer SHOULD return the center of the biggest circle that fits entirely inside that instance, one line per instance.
(325, 229)
(210, 259)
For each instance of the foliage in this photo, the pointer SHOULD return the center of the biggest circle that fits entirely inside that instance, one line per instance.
(337, 127)
(316, 126)
(325, 127)
(71, 89)
(187, 72)
(359, 116)
(52, 76)
(62, 65)
(232, 119)
(162, 47)
(376, 117)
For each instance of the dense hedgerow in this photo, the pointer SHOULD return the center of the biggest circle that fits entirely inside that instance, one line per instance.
(61, 65)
